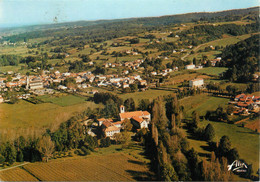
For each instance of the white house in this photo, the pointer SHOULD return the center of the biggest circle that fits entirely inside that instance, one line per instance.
(109, 128)
(1, 99)
(125, 85)
(139, 122)
(196, 82)
(190, 67)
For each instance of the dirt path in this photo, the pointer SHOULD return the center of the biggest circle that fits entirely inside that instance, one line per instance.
(15, 166)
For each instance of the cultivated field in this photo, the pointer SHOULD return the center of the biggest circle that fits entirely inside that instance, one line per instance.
(16, 174)
(110, 167)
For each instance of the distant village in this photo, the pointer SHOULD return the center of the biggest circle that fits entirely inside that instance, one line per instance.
(41, 84)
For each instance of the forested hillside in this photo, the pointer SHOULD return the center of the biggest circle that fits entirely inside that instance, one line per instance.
(242, 59)
(105, 29)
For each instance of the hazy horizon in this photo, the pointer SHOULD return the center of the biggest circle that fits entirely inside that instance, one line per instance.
(17, 13)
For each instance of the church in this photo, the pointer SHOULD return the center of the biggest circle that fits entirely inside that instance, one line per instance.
(140, 119)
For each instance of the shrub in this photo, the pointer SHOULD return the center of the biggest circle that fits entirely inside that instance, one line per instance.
(70, 154)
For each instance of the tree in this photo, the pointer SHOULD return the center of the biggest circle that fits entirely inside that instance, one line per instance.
(110, 109)
(20, 156)
(173, 123)
(169, 173)
(46, 147)
(129, 104)
(209, 133)
(195, 119)
(10, 153)
(230, 109)
(133, 87)
(224, 145)
(70, 82)
(127, 125)
(2, 159)
(233, 155)
(144, 104)
(9, 78)
(105, 142)
(159, 114)
(13, 99)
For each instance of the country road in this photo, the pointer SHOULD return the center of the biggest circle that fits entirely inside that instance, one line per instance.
(195, 49)
(15, 166)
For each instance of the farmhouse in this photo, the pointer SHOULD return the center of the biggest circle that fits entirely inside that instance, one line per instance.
(140, 119)
(196, 83)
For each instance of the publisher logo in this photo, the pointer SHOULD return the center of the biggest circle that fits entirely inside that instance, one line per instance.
(238, 166)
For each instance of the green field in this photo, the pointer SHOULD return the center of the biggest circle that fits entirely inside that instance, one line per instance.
(212, 70)
(202, 103)
(244, 139)
(226, 41)
(219, 42)
(11, 68)
(149, 94)
(67, 100)
(25, 114)
(199, 55)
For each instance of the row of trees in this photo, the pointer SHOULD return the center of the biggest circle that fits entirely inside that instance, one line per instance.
(171, 157)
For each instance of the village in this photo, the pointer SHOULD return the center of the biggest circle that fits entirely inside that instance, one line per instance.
(44, 83)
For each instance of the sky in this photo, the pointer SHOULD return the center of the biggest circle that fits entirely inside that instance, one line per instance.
(31, 12)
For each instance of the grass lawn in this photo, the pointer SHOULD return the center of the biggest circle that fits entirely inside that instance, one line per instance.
(67, 100)
(212, 70)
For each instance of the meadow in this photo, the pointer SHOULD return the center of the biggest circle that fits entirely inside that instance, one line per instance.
(202, 103)
(25, 114)
(149, 94)
(66, 100)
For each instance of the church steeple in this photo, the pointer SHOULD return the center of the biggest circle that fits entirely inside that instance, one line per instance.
(122, 109)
